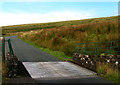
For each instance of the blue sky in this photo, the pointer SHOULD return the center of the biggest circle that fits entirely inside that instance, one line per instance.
(101, 8)
(41, 12)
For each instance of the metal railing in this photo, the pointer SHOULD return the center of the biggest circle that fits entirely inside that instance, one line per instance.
(3, 50)
(97, 48)
(10, 47)
(2, 45)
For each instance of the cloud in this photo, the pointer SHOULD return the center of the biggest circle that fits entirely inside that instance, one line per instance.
(25, 18)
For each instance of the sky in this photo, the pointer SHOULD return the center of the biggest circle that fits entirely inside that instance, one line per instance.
(14, 13)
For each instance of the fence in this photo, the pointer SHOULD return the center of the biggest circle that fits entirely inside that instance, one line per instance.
(12, 62)
(2, 45)
(10, 47)
(3, 49)
(97, 48)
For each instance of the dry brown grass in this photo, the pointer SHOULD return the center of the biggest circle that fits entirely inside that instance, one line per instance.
(109, 72)
(64, 38)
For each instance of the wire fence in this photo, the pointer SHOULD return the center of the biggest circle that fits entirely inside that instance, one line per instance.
(98, 48)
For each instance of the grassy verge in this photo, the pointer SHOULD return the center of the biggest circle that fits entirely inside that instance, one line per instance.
(111, 73)
(57, 54)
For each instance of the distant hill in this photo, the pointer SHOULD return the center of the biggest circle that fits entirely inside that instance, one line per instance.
(38, 26)
(63, 36)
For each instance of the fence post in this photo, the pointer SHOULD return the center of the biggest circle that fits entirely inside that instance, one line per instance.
(96, 48)
(118, 48)
(85, 48)
(76, 47)
(10, 47)
(110, 47)
(3, 50)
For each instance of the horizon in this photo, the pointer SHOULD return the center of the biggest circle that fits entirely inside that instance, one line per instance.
(57, 21)
(17, 13)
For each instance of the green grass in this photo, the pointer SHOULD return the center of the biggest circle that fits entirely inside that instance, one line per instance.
(57, 54)
(107, 71)
(113, 77)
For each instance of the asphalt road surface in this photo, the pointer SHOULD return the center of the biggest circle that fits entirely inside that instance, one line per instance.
(28, 53)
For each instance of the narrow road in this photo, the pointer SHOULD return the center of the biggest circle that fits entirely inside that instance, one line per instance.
(28, 53)
(45, 68)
